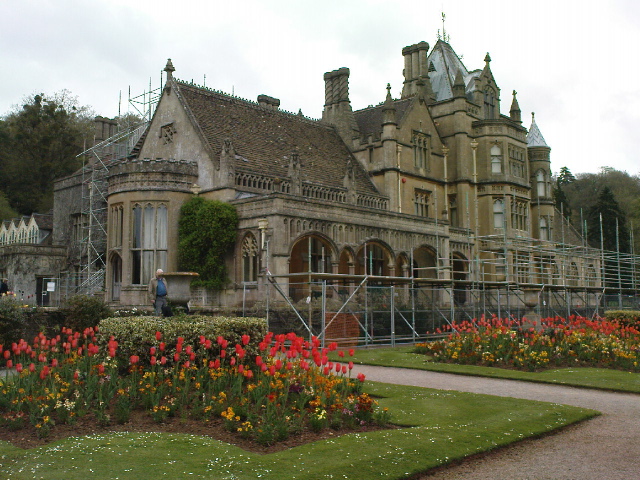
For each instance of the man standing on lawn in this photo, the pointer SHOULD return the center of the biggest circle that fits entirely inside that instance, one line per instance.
(158, 291)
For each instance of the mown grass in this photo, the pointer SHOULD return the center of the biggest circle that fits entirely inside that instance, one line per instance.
(599, 378)
(439, 427)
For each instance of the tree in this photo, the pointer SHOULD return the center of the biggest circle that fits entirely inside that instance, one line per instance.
(608, 214)
(565, 176)
(561, 201)
(43, 139)
(582, 194)
(206, 233)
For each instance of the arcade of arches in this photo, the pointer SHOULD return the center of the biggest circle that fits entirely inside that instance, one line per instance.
(316, 253)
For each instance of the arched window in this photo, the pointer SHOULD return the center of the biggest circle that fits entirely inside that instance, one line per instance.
(148, 241)
(496, 159)
(489, 103)
(541, 183)
(249, 259)
(544, 228)
(498, 214)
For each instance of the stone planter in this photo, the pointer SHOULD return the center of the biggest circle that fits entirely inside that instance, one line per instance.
(180, 286)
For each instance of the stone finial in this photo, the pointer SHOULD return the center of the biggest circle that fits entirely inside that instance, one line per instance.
(515, 112)
(487, 58)
(169, 69)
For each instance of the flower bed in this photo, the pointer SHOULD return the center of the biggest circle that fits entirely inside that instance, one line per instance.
(290, 387)
(555, 342)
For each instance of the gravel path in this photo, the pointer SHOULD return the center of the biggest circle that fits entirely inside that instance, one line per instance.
(604, 448)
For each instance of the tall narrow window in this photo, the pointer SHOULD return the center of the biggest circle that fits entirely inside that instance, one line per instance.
(421, 202)
(453, 210)
(496, 159)
(544, 228)
(249, 259)
(421, 150)
(148, 241)
(541, 183)
(498, 214)
(489, 103)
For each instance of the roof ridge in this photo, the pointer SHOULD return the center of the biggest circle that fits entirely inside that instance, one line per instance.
(246, 100)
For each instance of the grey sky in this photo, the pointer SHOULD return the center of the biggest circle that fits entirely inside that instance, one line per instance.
(574, 63)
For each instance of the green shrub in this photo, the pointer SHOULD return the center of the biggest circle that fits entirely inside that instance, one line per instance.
(623, 316)
(82, 311)
(135, 335)
(206, 233)
(13, 320)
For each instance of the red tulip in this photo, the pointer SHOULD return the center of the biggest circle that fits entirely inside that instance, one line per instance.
(361, 377)
(7, 354)
(134, 359)
(245, 339)
(162, 346)
(18, 367)
(341, 354)
(9, 363)
(232, 361)
(158, 336)
(163, 360)
(32, 367)
(176, 357)
(351, 352)
(101, 369)
(152, 351)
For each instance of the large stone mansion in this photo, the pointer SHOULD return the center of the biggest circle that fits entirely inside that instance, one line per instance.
(438, 186)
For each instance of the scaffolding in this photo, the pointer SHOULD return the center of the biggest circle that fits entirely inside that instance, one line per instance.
(96, 160)
(507, 278)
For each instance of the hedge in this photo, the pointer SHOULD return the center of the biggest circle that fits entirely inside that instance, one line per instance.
(136, 335)
(623, 316)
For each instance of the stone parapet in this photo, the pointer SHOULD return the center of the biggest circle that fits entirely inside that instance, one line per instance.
(147, 174)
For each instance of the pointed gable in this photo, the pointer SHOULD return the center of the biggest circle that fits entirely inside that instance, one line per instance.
(369, 119)
(264, 139)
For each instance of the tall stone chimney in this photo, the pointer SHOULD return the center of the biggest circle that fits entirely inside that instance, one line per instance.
(416, 69)
(337, 107)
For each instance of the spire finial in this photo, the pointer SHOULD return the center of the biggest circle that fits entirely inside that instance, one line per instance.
(487, 57)
(445, 37)
(169, 69)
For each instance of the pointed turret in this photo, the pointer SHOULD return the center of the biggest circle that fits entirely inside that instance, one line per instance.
(534, 137)
(388, 109)
(514, 112)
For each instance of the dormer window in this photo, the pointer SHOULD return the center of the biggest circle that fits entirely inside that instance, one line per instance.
(496, 159)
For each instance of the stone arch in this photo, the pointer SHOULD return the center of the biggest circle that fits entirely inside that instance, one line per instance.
(379, 258)
(249, 258)
(403, 267)
(425, 262)
(459, 273)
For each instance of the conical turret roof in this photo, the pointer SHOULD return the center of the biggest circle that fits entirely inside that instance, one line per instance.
(534, 137)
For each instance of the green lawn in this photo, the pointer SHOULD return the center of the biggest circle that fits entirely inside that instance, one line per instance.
(439, 427)
(600, 378)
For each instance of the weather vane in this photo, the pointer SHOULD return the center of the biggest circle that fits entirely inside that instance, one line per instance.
(445, 37)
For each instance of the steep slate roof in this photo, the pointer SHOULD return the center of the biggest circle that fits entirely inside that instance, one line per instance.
(446, 64)
(534, 137)
(369, 119)
(264, 139)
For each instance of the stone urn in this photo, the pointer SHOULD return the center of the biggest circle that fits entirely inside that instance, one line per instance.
(530, 301)
(179, 284)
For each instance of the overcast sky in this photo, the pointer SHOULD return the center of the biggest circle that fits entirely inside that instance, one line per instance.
(573, 63)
